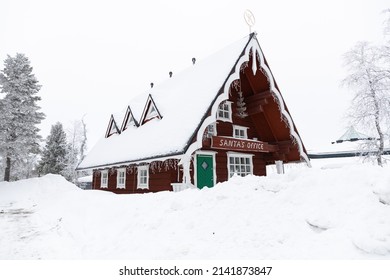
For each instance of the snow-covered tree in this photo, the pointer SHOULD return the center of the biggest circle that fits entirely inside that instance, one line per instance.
(20, 115)
(77, 143)
(369, 78)
(83, 145)
(55, 153)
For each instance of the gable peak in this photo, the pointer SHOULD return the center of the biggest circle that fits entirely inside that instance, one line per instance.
(112, 127)
(150, 111)
(129, 120)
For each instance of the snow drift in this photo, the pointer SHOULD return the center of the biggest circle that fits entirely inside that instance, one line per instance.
(341, 213)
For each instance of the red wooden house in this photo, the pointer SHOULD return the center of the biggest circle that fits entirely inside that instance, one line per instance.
(222, 116)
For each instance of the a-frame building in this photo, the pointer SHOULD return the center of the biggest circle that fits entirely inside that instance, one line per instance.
(222, 116)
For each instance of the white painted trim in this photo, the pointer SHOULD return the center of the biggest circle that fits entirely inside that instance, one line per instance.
(236, 154)
(143, 186)
(215, 133)
(207, 153)
(103, 186)
(118, 171)
(225, 96)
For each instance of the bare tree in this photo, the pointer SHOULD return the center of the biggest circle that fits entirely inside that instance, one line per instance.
(369, 78)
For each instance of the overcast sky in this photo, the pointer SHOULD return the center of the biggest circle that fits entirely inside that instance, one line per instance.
(92, 57)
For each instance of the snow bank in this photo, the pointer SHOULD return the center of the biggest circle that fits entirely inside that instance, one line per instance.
(340, 213)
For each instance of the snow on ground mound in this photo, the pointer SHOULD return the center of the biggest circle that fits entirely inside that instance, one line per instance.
(306, 214)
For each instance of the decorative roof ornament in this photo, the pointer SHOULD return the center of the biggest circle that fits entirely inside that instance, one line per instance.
(352, 135)
(249, 19)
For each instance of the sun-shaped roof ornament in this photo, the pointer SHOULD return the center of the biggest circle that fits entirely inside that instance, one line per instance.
(249, 19)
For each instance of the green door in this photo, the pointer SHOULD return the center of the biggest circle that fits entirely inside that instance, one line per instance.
(204, 171)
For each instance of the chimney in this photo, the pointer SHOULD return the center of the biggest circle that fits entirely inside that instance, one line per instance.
(170, 74)
(151, 85)
(193, 60)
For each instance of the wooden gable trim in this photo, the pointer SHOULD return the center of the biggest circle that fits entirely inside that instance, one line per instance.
(128, 117)
(150, 105)
(252, 48)
(112, 127)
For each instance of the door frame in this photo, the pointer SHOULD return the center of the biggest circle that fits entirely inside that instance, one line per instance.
(207, 153)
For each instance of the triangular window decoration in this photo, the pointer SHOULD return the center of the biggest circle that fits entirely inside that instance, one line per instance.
(150, 111)
(112, 127)
(128, 120)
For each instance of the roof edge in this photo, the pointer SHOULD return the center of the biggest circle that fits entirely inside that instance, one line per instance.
(136, 161)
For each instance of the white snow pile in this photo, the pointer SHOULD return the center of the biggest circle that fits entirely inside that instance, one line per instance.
(341, 213)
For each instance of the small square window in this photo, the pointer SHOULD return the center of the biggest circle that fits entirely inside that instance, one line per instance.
(225, 111)
(240, 132)
(211, 130)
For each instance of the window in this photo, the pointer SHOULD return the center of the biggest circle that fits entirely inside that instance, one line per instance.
(225, 111)
(143, 177)
(240, 164)
(121, 178)
(211, 130)
(112, 127)
(104, 179)
(128, 120)
(240, 132)
(150, 111)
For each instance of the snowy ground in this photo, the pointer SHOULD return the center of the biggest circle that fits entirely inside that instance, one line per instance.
(336, 213)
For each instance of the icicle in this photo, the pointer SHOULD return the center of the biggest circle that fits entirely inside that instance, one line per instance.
(254, 63)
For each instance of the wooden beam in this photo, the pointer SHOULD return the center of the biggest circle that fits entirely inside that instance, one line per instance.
(259, 96)
(253, 110)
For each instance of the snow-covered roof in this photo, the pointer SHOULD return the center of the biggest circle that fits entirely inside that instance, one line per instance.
(182, 101)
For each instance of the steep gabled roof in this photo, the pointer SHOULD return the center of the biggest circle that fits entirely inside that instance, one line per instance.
(112, 127)
(150, 111)
(183, 100)
(128, 120)
(188, 103)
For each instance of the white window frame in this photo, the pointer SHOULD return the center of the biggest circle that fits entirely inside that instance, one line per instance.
(211, 130)
(143, 185)
(104, 183)
(241, 165)
(224, 112)
(239, 129)
(119, 184)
